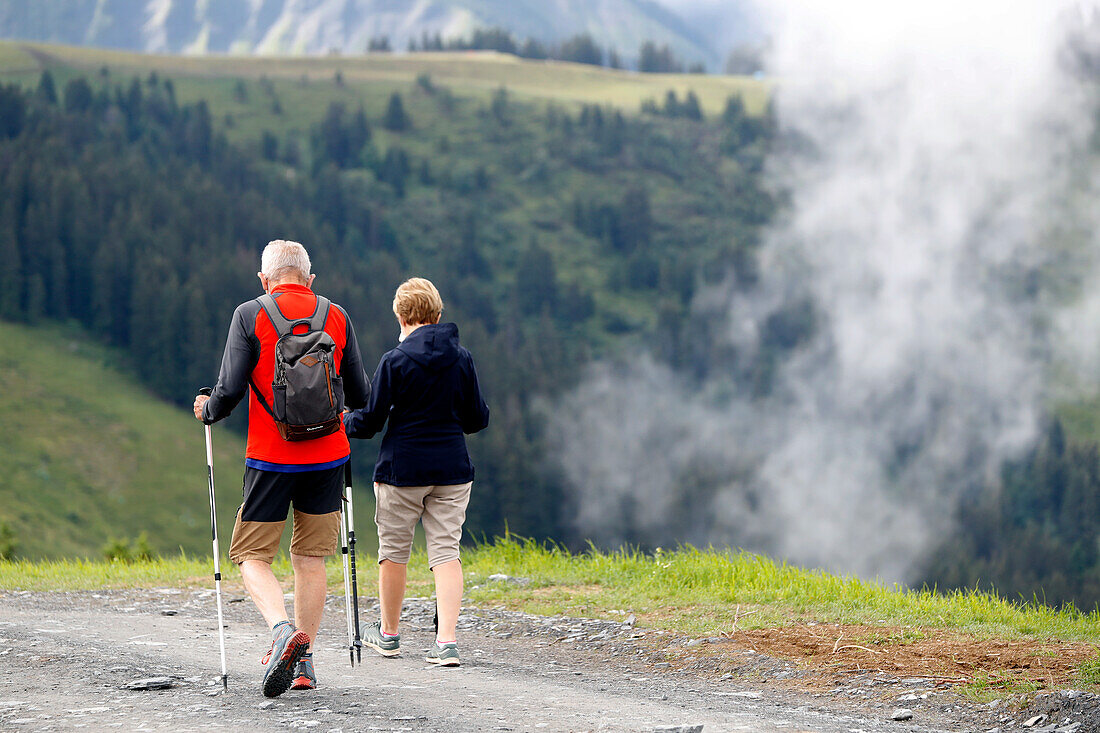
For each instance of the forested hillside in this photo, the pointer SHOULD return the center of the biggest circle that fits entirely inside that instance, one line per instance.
(136, 204)
(554, 232)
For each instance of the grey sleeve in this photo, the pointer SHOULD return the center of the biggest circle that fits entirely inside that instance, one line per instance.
(239, 359)
(356, 384)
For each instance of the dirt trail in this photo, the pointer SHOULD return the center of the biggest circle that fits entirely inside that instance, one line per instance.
(67, 653)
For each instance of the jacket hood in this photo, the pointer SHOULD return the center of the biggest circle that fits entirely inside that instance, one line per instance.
(434, 347)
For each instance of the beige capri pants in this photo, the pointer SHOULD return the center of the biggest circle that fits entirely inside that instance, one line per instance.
(442, 509)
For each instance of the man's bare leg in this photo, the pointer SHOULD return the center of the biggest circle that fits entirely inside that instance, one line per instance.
(310, 584)
(448, 598)
(391, 594)
(264, 588)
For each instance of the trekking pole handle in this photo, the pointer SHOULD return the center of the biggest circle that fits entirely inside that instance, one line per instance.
(207, 391)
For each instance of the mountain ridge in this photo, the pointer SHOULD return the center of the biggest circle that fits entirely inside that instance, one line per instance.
(309, 27)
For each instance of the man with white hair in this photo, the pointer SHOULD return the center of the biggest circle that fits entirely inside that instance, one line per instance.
(283, 469)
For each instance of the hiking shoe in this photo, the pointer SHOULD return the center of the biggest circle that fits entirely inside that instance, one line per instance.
(444, 656)
(304, 676)
(372, 637)
(287, 647)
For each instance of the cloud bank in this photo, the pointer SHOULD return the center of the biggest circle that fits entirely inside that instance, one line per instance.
(939, 142)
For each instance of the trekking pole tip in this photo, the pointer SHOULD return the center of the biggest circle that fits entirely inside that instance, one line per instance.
(225, 682)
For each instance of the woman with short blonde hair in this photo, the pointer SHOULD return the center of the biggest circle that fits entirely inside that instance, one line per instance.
(427, 390)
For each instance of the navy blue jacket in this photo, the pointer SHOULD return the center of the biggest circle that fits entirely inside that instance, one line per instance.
(427, 387)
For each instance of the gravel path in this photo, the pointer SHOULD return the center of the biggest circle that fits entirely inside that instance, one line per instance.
(66, 655)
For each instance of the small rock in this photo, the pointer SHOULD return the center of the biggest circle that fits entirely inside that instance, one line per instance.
(1071, 728)
(678, 729)
(629, 621)
(696, 642)
(498, 578)
(266, 704)
(169, 612)
(150, 683)
(909, 698)
(1032, 722)
(1047, 729)
(902, 714)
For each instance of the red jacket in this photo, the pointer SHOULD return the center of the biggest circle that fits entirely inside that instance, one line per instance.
(249, 358)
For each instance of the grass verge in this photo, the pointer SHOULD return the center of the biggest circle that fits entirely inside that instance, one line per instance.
(690, 591)
(733, 597)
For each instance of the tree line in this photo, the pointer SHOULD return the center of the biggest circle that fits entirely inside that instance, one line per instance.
(581, 48)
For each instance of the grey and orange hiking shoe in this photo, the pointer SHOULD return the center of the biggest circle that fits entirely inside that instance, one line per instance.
(387, 646)
(304, 676)
(443, 656)
(287, 647)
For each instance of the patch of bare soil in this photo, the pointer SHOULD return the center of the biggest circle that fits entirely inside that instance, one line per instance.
(831, 650)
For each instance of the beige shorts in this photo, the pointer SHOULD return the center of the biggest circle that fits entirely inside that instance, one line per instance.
(442, 509)
(312, 535)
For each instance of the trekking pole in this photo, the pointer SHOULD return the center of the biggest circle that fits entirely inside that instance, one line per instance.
(214, 533)
(358, 643)
(347, 579)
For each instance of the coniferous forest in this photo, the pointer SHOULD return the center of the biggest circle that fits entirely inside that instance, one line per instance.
(130, 213)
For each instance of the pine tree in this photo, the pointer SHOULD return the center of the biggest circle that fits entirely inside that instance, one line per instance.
(36, 299)
(396, 119)
(13, 111)
(11, 274)
(269, 146)
(636, 220)
(536, 281)
(581, 49)
(691, 108)
(47, 90)
(359, 133)
(672, 104)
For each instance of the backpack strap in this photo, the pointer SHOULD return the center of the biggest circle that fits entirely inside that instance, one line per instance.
(278, 320)
(283, 325)
(260, 397)
(320, 314)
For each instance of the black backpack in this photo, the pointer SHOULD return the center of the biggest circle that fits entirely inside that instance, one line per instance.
(308, 392)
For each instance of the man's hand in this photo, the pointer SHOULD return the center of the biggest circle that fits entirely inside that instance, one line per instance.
(200, 400)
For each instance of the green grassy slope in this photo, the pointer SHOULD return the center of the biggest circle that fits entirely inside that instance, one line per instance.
(88, 454)
(467, 73)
